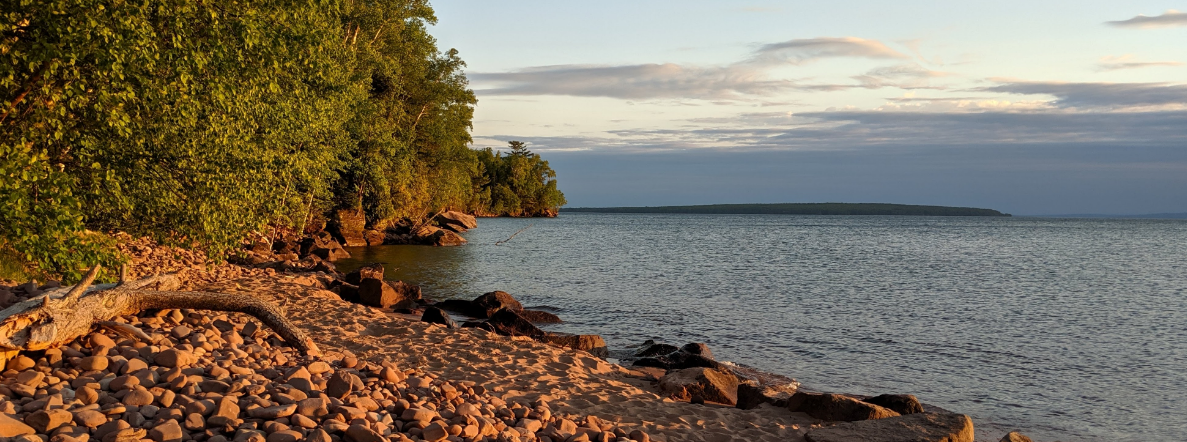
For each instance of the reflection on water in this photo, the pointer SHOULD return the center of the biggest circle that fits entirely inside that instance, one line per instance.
(1066, 329)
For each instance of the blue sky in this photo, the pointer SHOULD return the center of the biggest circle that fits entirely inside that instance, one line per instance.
(1038, 107)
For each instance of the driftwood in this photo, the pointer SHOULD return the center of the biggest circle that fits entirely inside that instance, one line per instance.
(514, 234)
(62, 315)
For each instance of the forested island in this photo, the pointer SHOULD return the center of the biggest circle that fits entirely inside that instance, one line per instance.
(801, 209)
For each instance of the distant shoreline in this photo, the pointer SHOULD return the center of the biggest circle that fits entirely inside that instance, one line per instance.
(801, 209)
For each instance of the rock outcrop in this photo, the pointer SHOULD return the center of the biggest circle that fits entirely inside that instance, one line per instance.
(1015, 436)
(384, 294)
(705, 383)
(491, 302)
(373, 271)
(435, 315)
(900, 403)
(348, 226)
(456, 221)
(918, 427)
(836, 407)
(593, 344)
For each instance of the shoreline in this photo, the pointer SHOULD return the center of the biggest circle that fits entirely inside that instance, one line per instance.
(515, 370)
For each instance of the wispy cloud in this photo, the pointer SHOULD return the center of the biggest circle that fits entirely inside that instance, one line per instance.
(806, 50)
(748, 77)
(1115, 63)
(903, 76)
(1101, 96)
(1170, 18)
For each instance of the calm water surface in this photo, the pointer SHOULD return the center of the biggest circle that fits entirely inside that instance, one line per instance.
(1072, 330)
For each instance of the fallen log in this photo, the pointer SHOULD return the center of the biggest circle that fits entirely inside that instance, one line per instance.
(60, 316)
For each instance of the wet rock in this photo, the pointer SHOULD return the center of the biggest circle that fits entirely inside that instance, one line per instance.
(434, 236)
(900, 403)
(491, 302)
(1015, 436)
(373, 271)
(540, 317)
(593, 344)
(508, 322)
(697, 348)
(751, 395)
(712, 385)
(434, 315)
(654, 350)
(461, 306)
(479, 324)
(918, 427)
(835, 407)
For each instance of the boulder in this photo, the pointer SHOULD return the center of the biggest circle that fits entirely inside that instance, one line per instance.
(456, 221)
(374, 270)
(479, 324)
(710, 384)
(900, 403)
(348, 226)
(918, 427)
(751, 394)
(348, 292)
(593, 344)
(377, 293)
(1015, 436)
(508, 322)
(697, 348)
(461, 306)
(540, 317)
(434, 315)
(653, 350)
(406, 291)
(374, 237)
(284, 247)
(835, 407)
(323, 246)
(492, 302)
(435, 236)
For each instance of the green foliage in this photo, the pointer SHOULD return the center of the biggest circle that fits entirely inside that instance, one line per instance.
(517, 184)
(200, 122)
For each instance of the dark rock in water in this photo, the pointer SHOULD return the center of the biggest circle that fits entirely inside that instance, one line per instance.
(650, 362)
(680, 360)
(835, 407)
(1015, 436)
(656, 350)
(434, 315)
(373, 270)
(494, 301)
(406, 290)
(435, 236)
(347, 227)
(712, 385)
(407, 306)
(461, 306)
(900, 403)
(508, 322)
(539, 317)
(374, 237)
(750, 397)
(697, 348)
(594, 344)
(479, 324)
(918, 427)
(456, 221)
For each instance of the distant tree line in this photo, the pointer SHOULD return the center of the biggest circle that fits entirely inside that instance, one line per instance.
(803, 209)
(200, 122)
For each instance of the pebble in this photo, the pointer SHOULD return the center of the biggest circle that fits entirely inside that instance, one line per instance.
(93, 363)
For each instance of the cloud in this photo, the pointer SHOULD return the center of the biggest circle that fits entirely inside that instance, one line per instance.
(1170, 18)
(1127, 61)
(802, 51)
(1101, 96)
(903, 76)
(676, 81)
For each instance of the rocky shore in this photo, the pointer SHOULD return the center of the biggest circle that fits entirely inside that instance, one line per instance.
(394, 368)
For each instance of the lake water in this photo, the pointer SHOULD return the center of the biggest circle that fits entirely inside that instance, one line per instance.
(1067, 329)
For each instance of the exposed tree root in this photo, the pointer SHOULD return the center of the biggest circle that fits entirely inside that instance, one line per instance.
(63, 315)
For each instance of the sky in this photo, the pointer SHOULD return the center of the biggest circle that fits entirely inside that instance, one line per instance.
(1036, 107)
